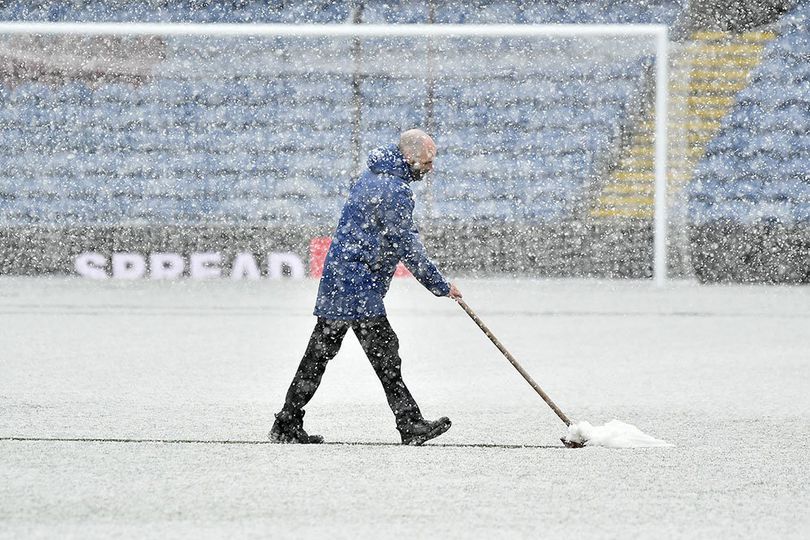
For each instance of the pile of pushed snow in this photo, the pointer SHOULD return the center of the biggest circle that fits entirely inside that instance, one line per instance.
(614, 434)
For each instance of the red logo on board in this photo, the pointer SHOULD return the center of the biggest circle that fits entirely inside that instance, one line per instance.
(318, 248)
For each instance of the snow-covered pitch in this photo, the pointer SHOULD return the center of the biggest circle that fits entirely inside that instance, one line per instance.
(141, 409)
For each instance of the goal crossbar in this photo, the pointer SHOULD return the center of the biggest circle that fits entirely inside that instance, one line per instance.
(332, 30)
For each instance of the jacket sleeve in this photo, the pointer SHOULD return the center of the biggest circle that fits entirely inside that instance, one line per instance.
(400, 231)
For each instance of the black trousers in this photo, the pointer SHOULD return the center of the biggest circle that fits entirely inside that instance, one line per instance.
(381, 346)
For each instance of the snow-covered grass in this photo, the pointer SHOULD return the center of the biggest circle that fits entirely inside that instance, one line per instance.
(176, 385)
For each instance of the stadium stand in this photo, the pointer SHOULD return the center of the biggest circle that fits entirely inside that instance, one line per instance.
(245, 148)
(751, 191)
(134, 146)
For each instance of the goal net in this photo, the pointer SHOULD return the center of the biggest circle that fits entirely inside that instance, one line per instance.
(138, 135)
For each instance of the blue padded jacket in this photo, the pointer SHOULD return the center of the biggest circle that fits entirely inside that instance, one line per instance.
(375, 232)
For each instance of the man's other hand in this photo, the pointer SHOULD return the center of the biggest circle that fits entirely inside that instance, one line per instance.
(454, 292)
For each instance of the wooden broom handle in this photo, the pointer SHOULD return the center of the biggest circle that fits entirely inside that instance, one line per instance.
(512, 361)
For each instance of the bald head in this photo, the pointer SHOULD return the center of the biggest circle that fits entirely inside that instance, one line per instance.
(419, 151)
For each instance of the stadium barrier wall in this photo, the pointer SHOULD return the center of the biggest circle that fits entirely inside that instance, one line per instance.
(486, 249)
(759, 253)
(719, 252)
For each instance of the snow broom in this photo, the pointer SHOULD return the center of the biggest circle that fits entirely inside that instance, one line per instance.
(523, 372)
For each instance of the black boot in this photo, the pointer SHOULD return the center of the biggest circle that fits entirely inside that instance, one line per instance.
(289, 429)
(421, 431)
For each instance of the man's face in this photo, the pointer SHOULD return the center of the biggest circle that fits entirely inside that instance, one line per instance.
(422, 162)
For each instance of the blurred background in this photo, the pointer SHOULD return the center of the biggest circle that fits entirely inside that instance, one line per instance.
(176, 144)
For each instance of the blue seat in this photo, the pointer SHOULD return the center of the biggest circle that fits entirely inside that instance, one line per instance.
(541, 13)
(793, 168)
(494, 209)
(452, 209)
(74, 93)
(115, 93)
(154, 209)
(323, 210)
(282, 211)
(779, 144)
(544, 210)
(744, 188)
(747, 115)
(10, 183)
(22, 96)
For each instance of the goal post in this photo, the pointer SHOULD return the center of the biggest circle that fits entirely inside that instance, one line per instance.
(660, 222)
(657, 35)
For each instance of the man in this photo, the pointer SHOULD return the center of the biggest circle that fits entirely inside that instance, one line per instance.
(375, 232)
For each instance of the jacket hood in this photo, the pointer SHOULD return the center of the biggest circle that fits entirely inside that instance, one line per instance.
(389, 160)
